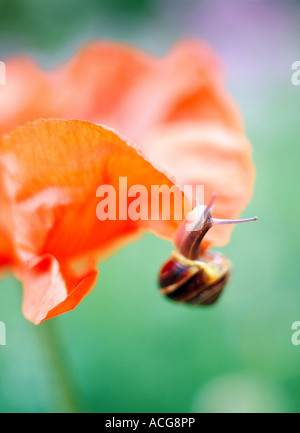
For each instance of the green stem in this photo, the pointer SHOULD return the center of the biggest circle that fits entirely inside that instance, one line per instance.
(61, 367)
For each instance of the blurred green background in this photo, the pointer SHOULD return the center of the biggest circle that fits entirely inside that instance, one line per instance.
(125, 348)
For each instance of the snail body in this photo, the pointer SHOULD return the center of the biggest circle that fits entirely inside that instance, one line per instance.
(192, 276)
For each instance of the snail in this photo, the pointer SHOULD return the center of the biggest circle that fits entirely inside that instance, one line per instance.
(192, 276)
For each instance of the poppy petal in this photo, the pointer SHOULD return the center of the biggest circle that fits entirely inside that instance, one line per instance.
(92, 85)
(185, 85)
(5, 254)
(50, 172)
(51, 289)
(26, 96)
(137, 94)
(211, 155)
(120, 86)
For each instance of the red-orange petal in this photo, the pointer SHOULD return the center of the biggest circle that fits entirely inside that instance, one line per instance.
(120, 86)
(140, 95)
(211, 155)
(50, 172)
(205, 99)
(51, 288)
(185, 85)
(94, 83)
(26, 96)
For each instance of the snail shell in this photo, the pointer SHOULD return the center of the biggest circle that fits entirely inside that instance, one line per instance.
(194, 281)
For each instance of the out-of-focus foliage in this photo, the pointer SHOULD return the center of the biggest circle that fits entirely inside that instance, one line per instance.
(47, 24)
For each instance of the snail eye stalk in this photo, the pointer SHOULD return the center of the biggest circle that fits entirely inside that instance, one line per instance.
(189, 276)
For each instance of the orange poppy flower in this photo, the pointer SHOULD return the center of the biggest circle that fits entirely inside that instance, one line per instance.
(50, 172)
(174, 108)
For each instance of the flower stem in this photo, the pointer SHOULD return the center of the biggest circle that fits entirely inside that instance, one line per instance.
(61, 367)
